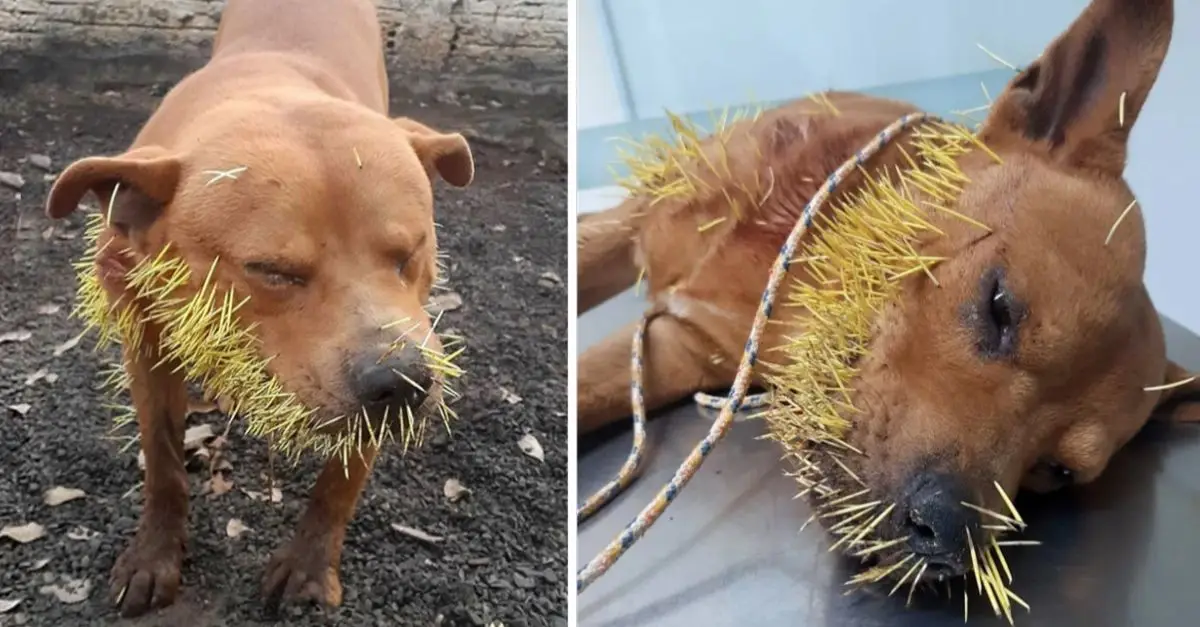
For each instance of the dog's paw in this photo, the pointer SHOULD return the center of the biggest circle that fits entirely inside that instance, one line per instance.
(301, 572)
(146, 575)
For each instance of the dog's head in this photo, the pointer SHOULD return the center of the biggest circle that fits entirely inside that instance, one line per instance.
(1031, 352)
(321, 217)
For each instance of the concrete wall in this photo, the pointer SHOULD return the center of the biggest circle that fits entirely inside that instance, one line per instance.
(421, 34)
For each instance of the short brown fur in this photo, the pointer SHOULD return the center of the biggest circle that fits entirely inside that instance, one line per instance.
(323, 217)
(1072, 392)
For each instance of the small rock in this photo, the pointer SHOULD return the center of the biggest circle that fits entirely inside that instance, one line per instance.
(12, 180)
(49, 309)
(41, 161)
(7, 606)
(521, 581)
(21, 409)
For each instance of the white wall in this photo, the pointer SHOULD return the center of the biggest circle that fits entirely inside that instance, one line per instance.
(696, 55)
(1163, 171)
(599, 99)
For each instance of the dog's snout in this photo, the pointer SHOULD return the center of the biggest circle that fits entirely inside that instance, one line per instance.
(390, 379)
(935, 519)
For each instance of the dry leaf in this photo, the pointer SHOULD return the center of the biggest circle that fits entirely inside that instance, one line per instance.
(8, 606)
(201, 407)
(82, 534)
(23, 533)
(15, 336)
(194, 437)
(417, 533)
(21, 408)
(275, 497)
(455, 490)
(531, 447)
(67, 345)
(448, 301)
(58, 495)
(37, 376)
(235, 528)
(71, 591)
(218, 485)
(509, 397)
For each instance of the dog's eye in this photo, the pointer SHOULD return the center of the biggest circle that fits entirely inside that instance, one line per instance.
(1056, 472)
(273, 275)
(998, 316)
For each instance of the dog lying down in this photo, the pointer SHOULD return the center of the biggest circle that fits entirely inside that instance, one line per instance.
(967, 316)
(270, 233)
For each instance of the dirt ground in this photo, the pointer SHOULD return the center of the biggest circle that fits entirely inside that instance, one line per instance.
(503, 558)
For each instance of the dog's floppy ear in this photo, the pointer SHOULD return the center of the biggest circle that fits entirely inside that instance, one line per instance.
(1181, 401)
(448, 154)
(135, 186)
(1078, 101)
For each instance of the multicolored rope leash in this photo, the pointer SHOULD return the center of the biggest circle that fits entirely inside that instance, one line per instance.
(737, 394)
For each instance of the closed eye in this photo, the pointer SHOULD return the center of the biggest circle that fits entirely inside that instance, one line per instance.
(275, 275)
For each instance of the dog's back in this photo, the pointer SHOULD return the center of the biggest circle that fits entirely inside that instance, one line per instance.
(334, 36)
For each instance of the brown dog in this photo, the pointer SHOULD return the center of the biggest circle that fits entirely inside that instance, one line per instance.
(278, 157)
(1028, 361)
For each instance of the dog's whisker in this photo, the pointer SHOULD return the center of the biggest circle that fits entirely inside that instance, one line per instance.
(1169, 386)
(1120, 219)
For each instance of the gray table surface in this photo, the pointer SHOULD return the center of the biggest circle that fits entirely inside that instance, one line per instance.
(1124, 551)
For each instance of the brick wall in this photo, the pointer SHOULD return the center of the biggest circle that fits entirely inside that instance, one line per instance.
(420, 34)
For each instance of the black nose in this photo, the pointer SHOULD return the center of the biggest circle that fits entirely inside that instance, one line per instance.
(935, 518)
(390, 379)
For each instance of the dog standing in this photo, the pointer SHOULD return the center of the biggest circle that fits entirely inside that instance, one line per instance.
(277, 158)
(1027, 357)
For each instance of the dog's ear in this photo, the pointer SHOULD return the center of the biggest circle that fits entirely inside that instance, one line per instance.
(1181, 401)
(1078, 101)
(132, 188)
(448, 154)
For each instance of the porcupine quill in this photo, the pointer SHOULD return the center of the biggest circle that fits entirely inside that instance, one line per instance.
(866, 244)
(203, 335)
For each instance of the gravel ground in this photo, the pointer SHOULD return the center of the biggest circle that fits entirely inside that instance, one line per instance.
(503, 560)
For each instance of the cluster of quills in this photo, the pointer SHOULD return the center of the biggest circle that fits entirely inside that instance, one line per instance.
(863, 247)
(202, 336)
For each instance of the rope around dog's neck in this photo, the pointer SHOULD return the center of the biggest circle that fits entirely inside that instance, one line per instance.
(737, 394)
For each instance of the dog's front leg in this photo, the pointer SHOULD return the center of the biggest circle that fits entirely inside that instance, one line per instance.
(307, 567)
(147, 574)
